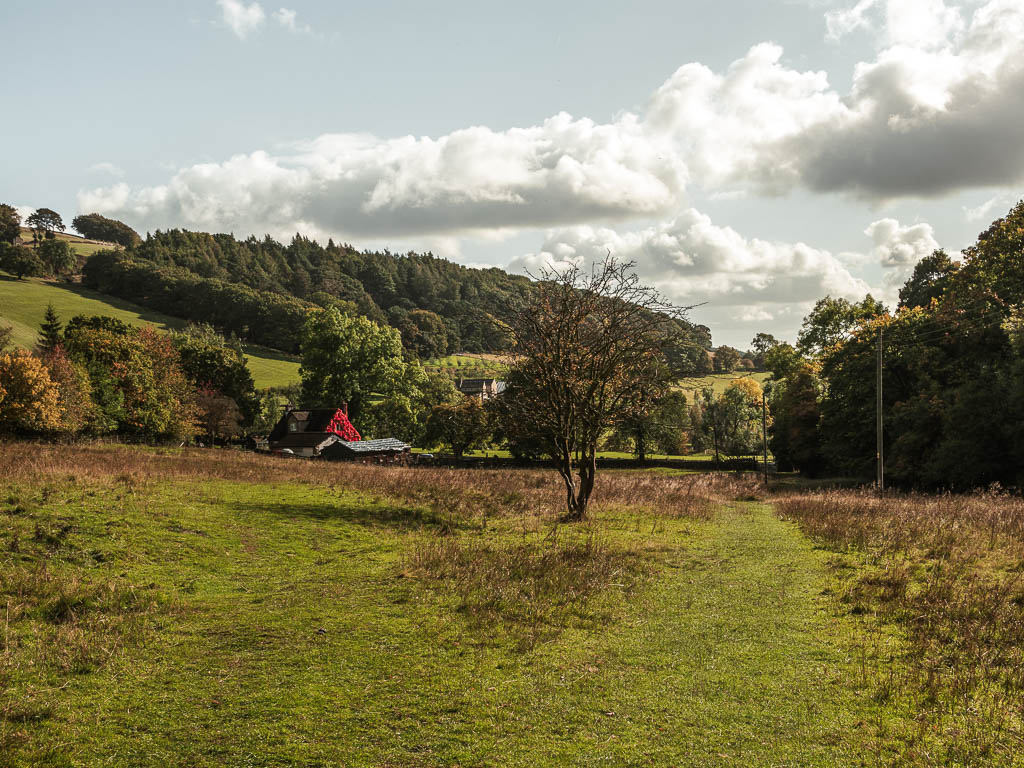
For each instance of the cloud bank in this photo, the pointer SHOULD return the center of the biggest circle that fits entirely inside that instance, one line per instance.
(938, 109)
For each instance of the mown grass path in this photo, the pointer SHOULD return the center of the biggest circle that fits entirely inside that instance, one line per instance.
(291, 637)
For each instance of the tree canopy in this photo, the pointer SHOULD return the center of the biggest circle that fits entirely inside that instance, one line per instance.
(346, 359)
(97, 227)
(591, 347)
(10, 224)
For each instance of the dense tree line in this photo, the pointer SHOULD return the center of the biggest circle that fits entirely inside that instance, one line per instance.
(953, 366)
(436, 305)
(262, 290)
(262, 317)
(97, 227)
(99, 376)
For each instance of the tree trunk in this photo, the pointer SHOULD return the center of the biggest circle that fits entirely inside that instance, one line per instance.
(578, 494)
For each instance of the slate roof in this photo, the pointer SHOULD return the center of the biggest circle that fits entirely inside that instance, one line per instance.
(375, 446)
(474, 386)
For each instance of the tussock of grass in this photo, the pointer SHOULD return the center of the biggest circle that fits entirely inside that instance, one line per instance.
(947, 571)
(531, 588)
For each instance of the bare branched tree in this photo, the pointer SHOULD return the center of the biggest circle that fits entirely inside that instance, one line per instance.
(590, 347)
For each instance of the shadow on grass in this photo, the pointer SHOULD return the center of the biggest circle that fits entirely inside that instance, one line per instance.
(166, 322)
(372, 514)
(269, 354)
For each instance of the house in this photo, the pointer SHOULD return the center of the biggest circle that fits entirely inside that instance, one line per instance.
(483, 389)
(327, 433)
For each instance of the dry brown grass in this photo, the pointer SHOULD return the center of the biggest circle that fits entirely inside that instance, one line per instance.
(946, 572)
(531, 589)
(455, 493)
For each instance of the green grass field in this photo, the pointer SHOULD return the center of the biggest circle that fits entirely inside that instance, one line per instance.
(719, 382)
(468, 366)
(23, 304)
(214, 608)
(82, 246)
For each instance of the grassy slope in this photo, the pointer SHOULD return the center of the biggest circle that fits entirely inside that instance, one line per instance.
(719, 382)
(81, 245)
(287, 635)
(469, 366)
(23, 303)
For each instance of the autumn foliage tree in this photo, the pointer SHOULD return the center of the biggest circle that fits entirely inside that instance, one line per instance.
(591, 345)
(138, 384)
(31, 402)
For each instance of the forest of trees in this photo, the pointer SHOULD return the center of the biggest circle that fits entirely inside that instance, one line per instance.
(953, 366)
(262, 290)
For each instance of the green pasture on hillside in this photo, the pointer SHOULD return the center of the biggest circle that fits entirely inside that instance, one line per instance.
(719, 382)
(469, 365)
(81, 245)
(23, 304)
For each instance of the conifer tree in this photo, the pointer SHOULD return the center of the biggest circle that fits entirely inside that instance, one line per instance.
(50, 331)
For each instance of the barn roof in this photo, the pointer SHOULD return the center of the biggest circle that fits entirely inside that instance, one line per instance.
(386, 444)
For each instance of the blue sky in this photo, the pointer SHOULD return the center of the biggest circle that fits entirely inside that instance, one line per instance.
(749, 155)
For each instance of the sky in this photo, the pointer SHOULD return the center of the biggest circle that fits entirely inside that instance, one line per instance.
(749, 156)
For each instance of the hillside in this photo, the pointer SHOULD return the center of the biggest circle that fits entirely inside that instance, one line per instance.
(261, 289)
(23, 304)
(81, 245)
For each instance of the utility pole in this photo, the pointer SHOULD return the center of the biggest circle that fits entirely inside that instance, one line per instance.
(879, 450)
(764, 436)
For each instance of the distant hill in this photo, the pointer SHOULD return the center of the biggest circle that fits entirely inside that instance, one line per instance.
(23, 303)
(81, 245)
(262, 289)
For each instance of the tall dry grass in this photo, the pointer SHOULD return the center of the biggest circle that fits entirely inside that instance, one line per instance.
(946, 573)
(456, 492)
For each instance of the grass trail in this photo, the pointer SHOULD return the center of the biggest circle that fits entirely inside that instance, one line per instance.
(755, 661)
(287, 633)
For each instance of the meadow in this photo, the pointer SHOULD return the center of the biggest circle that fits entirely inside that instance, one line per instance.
(82, 246)
(190, 607)
(23, 304)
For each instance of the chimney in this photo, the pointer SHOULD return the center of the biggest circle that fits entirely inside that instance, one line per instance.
(344, 409)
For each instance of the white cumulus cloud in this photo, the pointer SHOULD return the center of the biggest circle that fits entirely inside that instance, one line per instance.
(561, 171)
(692, 260)
(242, 19)
(937, 108)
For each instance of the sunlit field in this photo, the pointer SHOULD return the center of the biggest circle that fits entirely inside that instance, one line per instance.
(165, 606)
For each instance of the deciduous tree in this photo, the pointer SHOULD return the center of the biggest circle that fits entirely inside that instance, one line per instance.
(590, 344)
(346, 359)
(212, 363)
(461, 426)
(97, 227)
(20, 261)
(57, 256)
(10, 224)
(31, 401)
(831, 320)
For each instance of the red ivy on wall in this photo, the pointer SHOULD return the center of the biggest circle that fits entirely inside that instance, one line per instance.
(342, 427)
